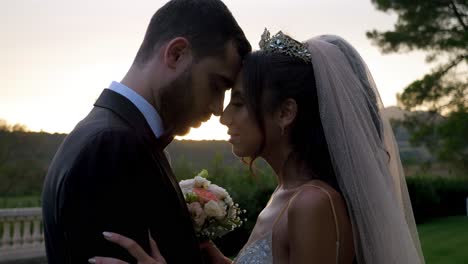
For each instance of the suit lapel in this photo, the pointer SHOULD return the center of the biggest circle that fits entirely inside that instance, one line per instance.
(130, 113)
(165, 166)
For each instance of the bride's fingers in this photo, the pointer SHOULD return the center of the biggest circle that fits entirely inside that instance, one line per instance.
(206, 244)
(155, 253)
(102, 260)
(130, 245)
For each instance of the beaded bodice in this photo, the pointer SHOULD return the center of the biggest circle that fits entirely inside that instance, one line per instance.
(257, 252)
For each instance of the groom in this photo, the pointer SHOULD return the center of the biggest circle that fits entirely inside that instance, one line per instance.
(110, 173)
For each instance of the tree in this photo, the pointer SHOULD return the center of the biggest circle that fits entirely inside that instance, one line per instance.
(439, 27)
(4, 126)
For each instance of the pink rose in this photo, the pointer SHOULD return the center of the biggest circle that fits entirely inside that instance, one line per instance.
(204, 195)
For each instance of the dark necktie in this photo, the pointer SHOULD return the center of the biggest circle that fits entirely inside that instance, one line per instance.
(165, 139)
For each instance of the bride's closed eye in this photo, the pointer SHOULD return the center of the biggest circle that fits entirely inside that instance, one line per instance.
(237, 104)
(236, 99)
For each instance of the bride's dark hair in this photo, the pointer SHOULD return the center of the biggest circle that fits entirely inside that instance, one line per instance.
(271, 78)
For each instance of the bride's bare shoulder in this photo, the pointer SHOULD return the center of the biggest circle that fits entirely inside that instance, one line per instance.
(312, 231)
(316, 199)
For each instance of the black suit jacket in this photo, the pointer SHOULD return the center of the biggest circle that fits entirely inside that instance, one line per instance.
(111, 174)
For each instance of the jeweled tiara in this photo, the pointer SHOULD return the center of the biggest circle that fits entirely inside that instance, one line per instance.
(281, 43)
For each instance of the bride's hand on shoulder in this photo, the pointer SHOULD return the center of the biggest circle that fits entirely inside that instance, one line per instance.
(133, 248)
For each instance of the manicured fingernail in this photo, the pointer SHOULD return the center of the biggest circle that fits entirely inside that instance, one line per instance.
(91, 260)
(107, 234)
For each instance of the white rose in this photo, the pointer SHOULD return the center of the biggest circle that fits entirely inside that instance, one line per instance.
(228, 201)
(201, 182)
(197, 213)
(186, 185)
(215, 209)
(218, 191)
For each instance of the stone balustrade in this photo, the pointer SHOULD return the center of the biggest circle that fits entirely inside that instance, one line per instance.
(21, 234)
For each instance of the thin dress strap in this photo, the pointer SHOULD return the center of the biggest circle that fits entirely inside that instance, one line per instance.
(331, 204)
(278, 217)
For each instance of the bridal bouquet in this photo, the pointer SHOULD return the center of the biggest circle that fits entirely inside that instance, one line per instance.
(213, 211)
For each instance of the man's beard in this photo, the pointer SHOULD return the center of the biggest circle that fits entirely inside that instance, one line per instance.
(177, 104)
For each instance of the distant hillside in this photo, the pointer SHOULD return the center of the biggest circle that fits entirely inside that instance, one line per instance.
(201, 153)
(408, 152)
(395, 112)
(25, 158)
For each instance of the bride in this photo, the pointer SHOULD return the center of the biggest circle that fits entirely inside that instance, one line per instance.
(313, 112)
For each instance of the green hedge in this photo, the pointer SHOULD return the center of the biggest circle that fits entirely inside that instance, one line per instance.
(433, 197)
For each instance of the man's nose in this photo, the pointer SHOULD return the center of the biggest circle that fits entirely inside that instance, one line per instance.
(224, 119)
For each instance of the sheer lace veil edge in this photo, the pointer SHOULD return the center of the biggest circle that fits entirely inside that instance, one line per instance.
(364, 155)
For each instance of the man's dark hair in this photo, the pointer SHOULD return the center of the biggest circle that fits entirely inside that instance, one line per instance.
(207, 24)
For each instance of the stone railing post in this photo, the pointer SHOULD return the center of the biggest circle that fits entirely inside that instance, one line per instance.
(18, 241)
(17, 236)
(6, 238)
(37, 236)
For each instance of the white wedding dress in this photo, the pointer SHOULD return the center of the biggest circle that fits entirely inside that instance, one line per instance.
(257, 252)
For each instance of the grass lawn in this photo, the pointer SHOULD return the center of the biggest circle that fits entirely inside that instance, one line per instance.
(445, 240)
(20, 201)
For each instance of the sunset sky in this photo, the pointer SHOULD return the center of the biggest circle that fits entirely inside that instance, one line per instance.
(58, 55)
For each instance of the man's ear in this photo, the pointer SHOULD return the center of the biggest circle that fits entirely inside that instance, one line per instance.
(287, 113)
(177, 52)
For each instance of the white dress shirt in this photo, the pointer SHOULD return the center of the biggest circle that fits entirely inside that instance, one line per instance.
(149, 112)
